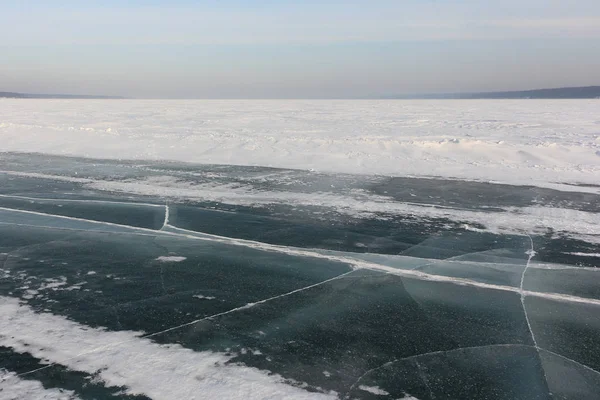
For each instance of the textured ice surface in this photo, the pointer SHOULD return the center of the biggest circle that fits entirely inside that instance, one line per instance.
(137, 280)
(544, 143)
(291, 195)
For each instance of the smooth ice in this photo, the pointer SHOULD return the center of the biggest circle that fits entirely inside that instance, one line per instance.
(116, 292)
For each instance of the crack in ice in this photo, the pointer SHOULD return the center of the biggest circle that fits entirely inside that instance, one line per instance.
(531, 253)
(41, 199)
(440, 352)
(424, 379)
(355, 263)
(571, 360)
(359, 264)
(210, 317)
(388, 363)
(166, 221)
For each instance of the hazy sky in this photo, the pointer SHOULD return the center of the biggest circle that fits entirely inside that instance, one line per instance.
(284, 48)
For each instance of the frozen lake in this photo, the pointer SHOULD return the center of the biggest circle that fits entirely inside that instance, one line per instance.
(111, 270)
(165, 268)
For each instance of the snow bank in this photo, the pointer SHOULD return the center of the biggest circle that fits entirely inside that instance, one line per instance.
(534, 142)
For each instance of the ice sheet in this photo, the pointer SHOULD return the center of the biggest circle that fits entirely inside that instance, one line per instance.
(488, 207)
(244, 318)
(137, 279)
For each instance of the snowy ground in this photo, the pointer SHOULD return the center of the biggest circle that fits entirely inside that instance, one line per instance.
(527, 142)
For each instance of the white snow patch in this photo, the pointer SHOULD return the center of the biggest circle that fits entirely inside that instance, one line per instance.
(583, 254)
(551, 143)
(53, 284)
(29, 294)
(374, 390)
(124, 359)
(201, 297)
(12, 388)
(171, 259)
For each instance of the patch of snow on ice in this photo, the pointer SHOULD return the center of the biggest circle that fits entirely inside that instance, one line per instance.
(408, 397)
(374, 390)
(171, 259)
(583, 254)
(121, 358)
(53, 284)
(201, 297)
(29, 294)
(13, 387)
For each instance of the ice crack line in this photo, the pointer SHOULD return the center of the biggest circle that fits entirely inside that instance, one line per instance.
(531, 253)
(94, 201)
(354, 263)
(166, 221)
(424, 379)
(414, 357)
(244, 307)
(360, 378)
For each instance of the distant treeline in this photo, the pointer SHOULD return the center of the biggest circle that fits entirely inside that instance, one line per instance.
(587, 92)
(12, 95)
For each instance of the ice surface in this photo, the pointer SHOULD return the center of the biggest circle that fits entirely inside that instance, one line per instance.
(569, 380)
(543, 143)
(513, 220)
(277, 319)
(567, 329)
(472, 206)
(131, 280)
(489, 372)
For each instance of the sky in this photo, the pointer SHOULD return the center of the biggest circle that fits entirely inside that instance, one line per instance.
(296, 49)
